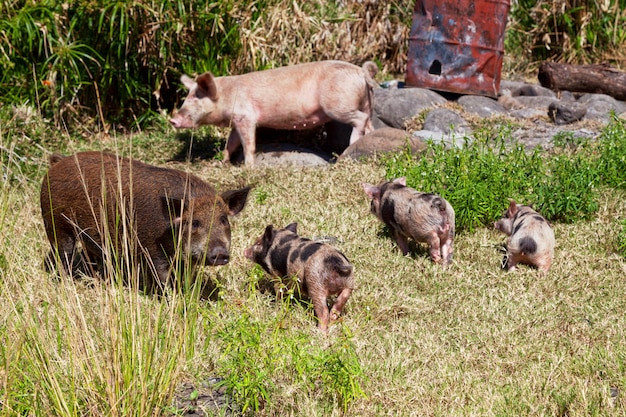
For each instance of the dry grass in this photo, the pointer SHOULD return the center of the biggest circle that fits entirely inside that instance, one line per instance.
(470, 339)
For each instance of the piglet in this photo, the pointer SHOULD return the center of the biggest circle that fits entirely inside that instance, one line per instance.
(424, 217)
(108, 203)
(317, 269)
(531, 238)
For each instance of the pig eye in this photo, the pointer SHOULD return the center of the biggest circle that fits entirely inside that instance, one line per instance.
(195, 224)
(224, 219)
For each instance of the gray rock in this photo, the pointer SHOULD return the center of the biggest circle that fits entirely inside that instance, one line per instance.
(536, 102)
(272, 154)
(567, 96)
(480, 105)
(565, 112)
(510, 86)
(446, 121)
(393, 107)
(526, 113)
(532, 90)
(383, 140)
(448, 139)
(600, 106)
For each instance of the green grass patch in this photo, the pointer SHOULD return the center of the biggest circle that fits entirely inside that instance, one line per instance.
(479, 177)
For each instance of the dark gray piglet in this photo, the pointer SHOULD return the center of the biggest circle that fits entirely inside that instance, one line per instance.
(318, 269)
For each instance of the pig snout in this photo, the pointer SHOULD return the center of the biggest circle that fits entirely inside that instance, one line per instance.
(218, 256)
(180, 121)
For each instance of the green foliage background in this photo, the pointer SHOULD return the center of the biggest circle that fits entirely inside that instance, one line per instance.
(120, 62)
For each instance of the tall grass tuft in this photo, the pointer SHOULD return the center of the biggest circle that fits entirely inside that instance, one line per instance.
(120, 62)
(573, 31)
(477, 178)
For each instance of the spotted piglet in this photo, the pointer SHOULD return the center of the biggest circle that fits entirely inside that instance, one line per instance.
(424, 217)
(319, 270)
(531, 238)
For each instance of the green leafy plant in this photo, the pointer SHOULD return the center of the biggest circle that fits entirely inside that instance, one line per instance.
(612, 154)
(575, 31)
(477, 178)
(569, 191)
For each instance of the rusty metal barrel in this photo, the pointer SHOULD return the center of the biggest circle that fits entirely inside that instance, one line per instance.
(457, 45)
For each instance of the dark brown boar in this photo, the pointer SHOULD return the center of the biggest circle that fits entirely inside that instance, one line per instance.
(408, 213)
(531, 238)
(319, 270)
(152, 214)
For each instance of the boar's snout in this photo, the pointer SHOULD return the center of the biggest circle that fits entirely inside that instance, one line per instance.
(218, 256)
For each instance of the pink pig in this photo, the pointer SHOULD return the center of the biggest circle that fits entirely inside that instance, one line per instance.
(293, 97)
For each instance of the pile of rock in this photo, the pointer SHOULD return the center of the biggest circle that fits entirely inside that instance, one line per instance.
(539, 114)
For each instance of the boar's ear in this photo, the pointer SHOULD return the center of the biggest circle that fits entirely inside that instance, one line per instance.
(235, 199)
(173, 208)
(292, 227)
(206, 85)
(401, 181)
(372, 191)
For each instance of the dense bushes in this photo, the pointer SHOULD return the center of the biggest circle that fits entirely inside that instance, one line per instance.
(573, 31)
(120, 61)
(480, 177)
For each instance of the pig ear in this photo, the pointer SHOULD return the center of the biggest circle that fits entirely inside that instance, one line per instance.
(512, 207)
(206, 84)
(187, 81)
(268, 236)
(173, 208)
(235, 199)
(293, 227)
(372, 191)
(401, 181)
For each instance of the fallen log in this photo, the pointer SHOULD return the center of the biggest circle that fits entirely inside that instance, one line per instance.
(597, 78)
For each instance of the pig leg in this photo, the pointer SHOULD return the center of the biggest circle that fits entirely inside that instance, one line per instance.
(321, 312)
(544, 265)
(447, 251)
(512, 262)
(435, 248)
(65, 245)
(232, 144)
(402, 241)
(247, 137)
(361, 125)
(335, 312)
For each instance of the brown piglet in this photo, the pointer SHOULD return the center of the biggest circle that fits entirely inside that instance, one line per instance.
(317, 269)
(531, 238)
(294, 97)
(154, 215)
(423, 217)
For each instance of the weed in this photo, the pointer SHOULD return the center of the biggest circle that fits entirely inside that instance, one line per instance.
(477, 178)
(612, 154)
(569, 191)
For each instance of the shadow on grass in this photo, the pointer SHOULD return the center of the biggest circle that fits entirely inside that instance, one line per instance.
(416, 249)
(198, 145)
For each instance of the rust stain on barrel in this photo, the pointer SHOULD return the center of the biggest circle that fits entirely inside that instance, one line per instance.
(457, 46)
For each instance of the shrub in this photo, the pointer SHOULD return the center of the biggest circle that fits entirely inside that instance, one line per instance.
(478, 178)
(612, 154)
